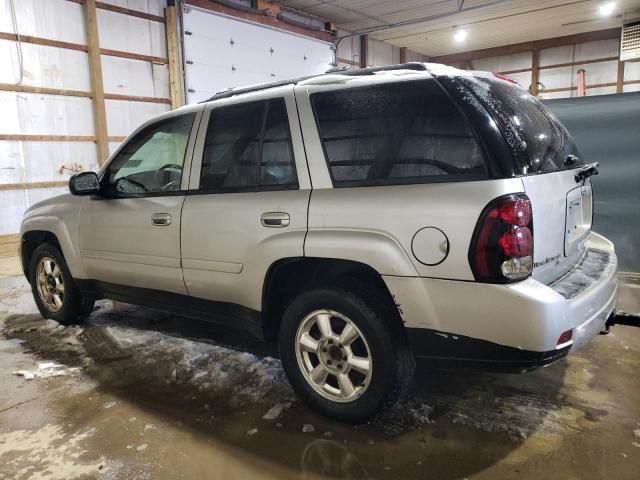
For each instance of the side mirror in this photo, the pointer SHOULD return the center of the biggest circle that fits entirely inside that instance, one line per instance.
(85, 183)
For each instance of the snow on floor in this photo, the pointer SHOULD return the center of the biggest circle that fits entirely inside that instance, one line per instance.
(130, 339)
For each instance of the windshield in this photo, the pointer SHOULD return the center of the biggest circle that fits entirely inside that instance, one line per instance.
(538, 141)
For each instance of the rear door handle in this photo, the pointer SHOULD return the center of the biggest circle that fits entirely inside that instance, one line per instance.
(161, 219)
(275, 219)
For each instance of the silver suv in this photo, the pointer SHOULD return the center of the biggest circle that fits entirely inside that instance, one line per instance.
(360, 218)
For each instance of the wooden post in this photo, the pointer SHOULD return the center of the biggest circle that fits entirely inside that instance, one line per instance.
(582, 83)
(97, 88)
(364, 40)
(175, 80)
(620, 78)
(403, 54)
(535, 72)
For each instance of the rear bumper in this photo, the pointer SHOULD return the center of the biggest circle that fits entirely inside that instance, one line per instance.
(516, 325)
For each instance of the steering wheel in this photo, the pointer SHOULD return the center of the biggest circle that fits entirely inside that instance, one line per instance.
(168, 186)
(175, 166)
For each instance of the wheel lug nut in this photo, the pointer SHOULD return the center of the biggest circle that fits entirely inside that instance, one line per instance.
(330, 342)
(344, 359)
(328, 362)
(339, 366)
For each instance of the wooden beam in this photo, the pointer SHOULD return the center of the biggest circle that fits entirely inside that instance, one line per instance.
(535, 72)
(134, 56)
(403, 54)
(46, 138)
(22, 186)
(82, 48)
(173, 53)
(97, 88)
(529, 46)
(45, 90)
(135, 98)
(364, 50)
(573, 64)
(79, 93)
(130, 12)
(620, 78)
(43, 41)
(124, 11)
(568, 89)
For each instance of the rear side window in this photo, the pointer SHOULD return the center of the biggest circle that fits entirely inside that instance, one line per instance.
(538, 141)
(405, 132)
(247, 148)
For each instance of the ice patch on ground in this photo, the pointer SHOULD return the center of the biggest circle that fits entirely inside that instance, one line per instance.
(206, 366)
(47, 453)
(48, 370)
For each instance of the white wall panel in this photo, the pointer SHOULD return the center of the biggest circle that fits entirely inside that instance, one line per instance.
(133, 77)
(631, 71)
(258, 54)
(557, 77)
(154, 7)
(524, 78)
(131, 34)
(553, 56)
(13, 203)
(504, 63)
(22, 162)
(599, 49)
(123, 117)
(54, 19)
(382, 53)
(31, 114)
(45, 66)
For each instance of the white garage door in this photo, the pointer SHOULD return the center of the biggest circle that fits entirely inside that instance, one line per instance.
(224, 52)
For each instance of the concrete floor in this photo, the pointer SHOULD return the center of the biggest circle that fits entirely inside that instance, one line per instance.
(139, 394)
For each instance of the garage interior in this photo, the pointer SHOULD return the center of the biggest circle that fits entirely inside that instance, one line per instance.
(135, 393)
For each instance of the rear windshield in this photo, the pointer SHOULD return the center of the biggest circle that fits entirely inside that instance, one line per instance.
(538, 140)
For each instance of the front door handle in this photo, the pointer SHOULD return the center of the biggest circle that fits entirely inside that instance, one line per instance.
(275, 219)
(161, 219)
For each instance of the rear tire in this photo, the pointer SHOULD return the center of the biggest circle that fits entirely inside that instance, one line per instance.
(54, 290)
(345, 352)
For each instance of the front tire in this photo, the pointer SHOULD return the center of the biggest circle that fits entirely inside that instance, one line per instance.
(54, 290)
(345, 352)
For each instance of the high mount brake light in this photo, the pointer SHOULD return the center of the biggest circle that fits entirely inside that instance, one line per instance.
(505, 78)
(502, 246)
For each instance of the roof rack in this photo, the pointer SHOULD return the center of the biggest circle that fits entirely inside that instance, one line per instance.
(354, 72)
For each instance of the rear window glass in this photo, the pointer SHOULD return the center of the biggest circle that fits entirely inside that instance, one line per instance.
(538, 141)
(405, 132)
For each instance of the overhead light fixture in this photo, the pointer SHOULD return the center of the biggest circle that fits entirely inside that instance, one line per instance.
(607, 8)
(460, 35)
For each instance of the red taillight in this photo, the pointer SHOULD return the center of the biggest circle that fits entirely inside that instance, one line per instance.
(502, 246)
(517, 242)
(565, 337)
(517, 212)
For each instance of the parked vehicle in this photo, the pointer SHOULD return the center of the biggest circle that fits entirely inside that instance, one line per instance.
(361, 218)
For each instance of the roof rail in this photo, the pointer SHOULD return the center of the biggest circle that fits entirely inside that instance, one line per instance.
(354, 72)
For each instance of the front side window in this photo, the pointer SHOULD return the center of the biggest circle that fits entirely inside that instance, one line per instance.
(248, 148)
(403, 132)
(151, 162)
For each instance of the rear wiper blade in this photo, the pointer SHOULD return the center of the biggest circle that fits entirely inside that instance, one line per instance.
(586, 171)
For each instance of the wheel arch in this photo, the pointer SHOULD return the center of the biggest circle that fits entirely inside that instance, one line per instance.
(34, 232)
(287, 277)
